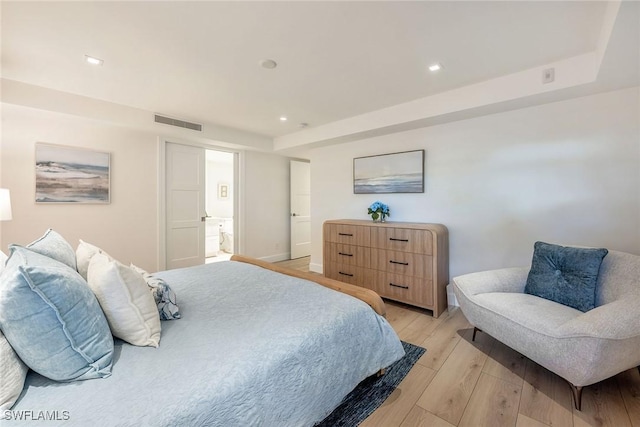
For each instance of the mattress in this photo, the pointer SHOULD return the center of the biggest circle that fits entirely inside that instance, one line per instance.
(253, 348)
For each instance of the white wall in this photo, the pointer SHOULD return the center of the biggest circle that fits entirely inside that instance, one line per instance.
(265, 206)
(126, 228)
(567, 172)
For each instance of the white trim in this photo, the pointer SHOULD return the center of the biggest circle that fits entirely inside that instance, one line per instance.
(162, 205)
(316, 268)
(238, 202)
(451, 296)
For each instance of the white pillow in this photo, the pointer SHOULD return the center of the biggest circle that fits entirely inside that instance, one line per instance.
(84, 253)
(13, 373)
(126, 301)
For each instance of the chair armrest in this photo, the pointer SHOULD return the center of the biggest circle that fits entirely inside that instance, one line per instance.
(617, 320)
(502, 280)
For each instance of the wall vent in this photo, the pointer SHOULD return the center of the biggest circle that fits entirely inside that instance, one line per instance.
(178, 123)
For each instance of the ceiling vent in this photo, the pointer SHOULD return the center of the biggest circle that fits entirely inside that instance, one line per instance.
(179, 123)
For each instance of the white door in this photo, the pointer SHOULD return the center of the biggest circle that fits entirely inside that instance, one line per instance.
(300, 209)
(185, 193)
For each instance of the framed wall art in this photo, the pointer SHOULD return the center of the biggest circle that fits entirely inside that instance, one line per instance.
(71, 175)
(223, 190)
(389, 173)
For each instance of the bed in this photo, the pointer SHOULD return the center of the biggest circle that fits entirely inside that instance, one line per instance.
(256, 346)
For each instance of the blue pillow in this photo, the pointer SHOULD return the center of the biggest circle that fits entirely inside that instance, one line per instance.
(54, 246)
(566, 275)
(52, 319)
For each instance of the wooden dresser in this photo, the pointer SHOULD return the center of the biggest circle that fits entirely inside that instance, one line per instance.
(407, 262)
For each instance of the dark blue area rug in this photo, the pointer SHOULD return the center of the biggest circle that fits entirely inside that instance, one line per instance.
(372, 392)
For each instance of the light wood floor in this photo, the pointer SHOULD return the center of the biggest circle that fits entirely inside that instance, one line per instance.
(459, 382)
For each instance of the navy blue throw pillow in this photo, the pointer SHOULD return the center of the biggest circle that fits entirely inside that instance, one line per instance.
(565, 275)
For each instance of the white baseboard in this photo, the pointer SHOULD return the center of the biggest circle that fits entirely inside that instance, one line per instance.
(316, 268)
(276, 258)
(451, 296)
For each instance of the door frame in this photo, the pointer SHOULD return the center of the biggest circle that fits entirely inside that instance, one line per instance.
(238, 206)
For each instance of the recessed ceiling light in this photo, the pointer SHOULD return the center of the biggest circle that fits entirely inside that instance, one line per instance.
(269, 64)
(283, 119)
(92, 60)
(435, 67)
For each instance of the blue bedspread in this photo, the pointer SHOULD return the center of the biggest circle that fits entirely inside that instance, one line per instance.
(253, 348)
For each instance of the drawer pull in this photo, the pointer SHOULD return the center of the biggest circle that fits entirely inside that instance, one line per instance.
(345, 274)
(398, 262)
(345, 234)
(343, 254)
(398, 286)
(393, 239)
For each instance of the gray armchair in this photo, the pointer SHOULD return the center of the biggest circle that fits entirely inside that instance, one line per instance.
(583, 348)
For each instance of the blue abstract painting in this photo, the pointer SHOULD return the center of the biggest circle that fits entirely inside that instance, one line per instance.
(389, 173)
(71, 175)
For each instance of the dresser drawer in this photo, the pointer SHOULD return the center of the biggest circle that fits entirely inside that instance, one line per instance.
(401, 261)
(403, 240)
(405, 263)
(348, 254)
(350, 274)
(347, 234)
(411, 290)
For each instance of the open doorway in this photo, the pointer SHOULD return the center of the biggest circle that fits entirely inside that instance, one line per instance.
(219, 203)
(300, 192)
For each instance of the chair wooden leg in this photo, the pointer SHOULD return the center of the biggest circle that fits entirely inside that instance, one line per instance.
(577, 396)
(473, 338)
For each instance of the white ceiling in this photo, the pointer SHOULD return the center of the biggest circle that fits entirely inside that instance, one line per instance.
(199, 61)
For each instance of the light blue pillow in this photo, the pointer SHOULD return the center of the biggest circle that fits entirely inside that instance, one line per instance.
(54, 246)
(3, 260)
(52, 319)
